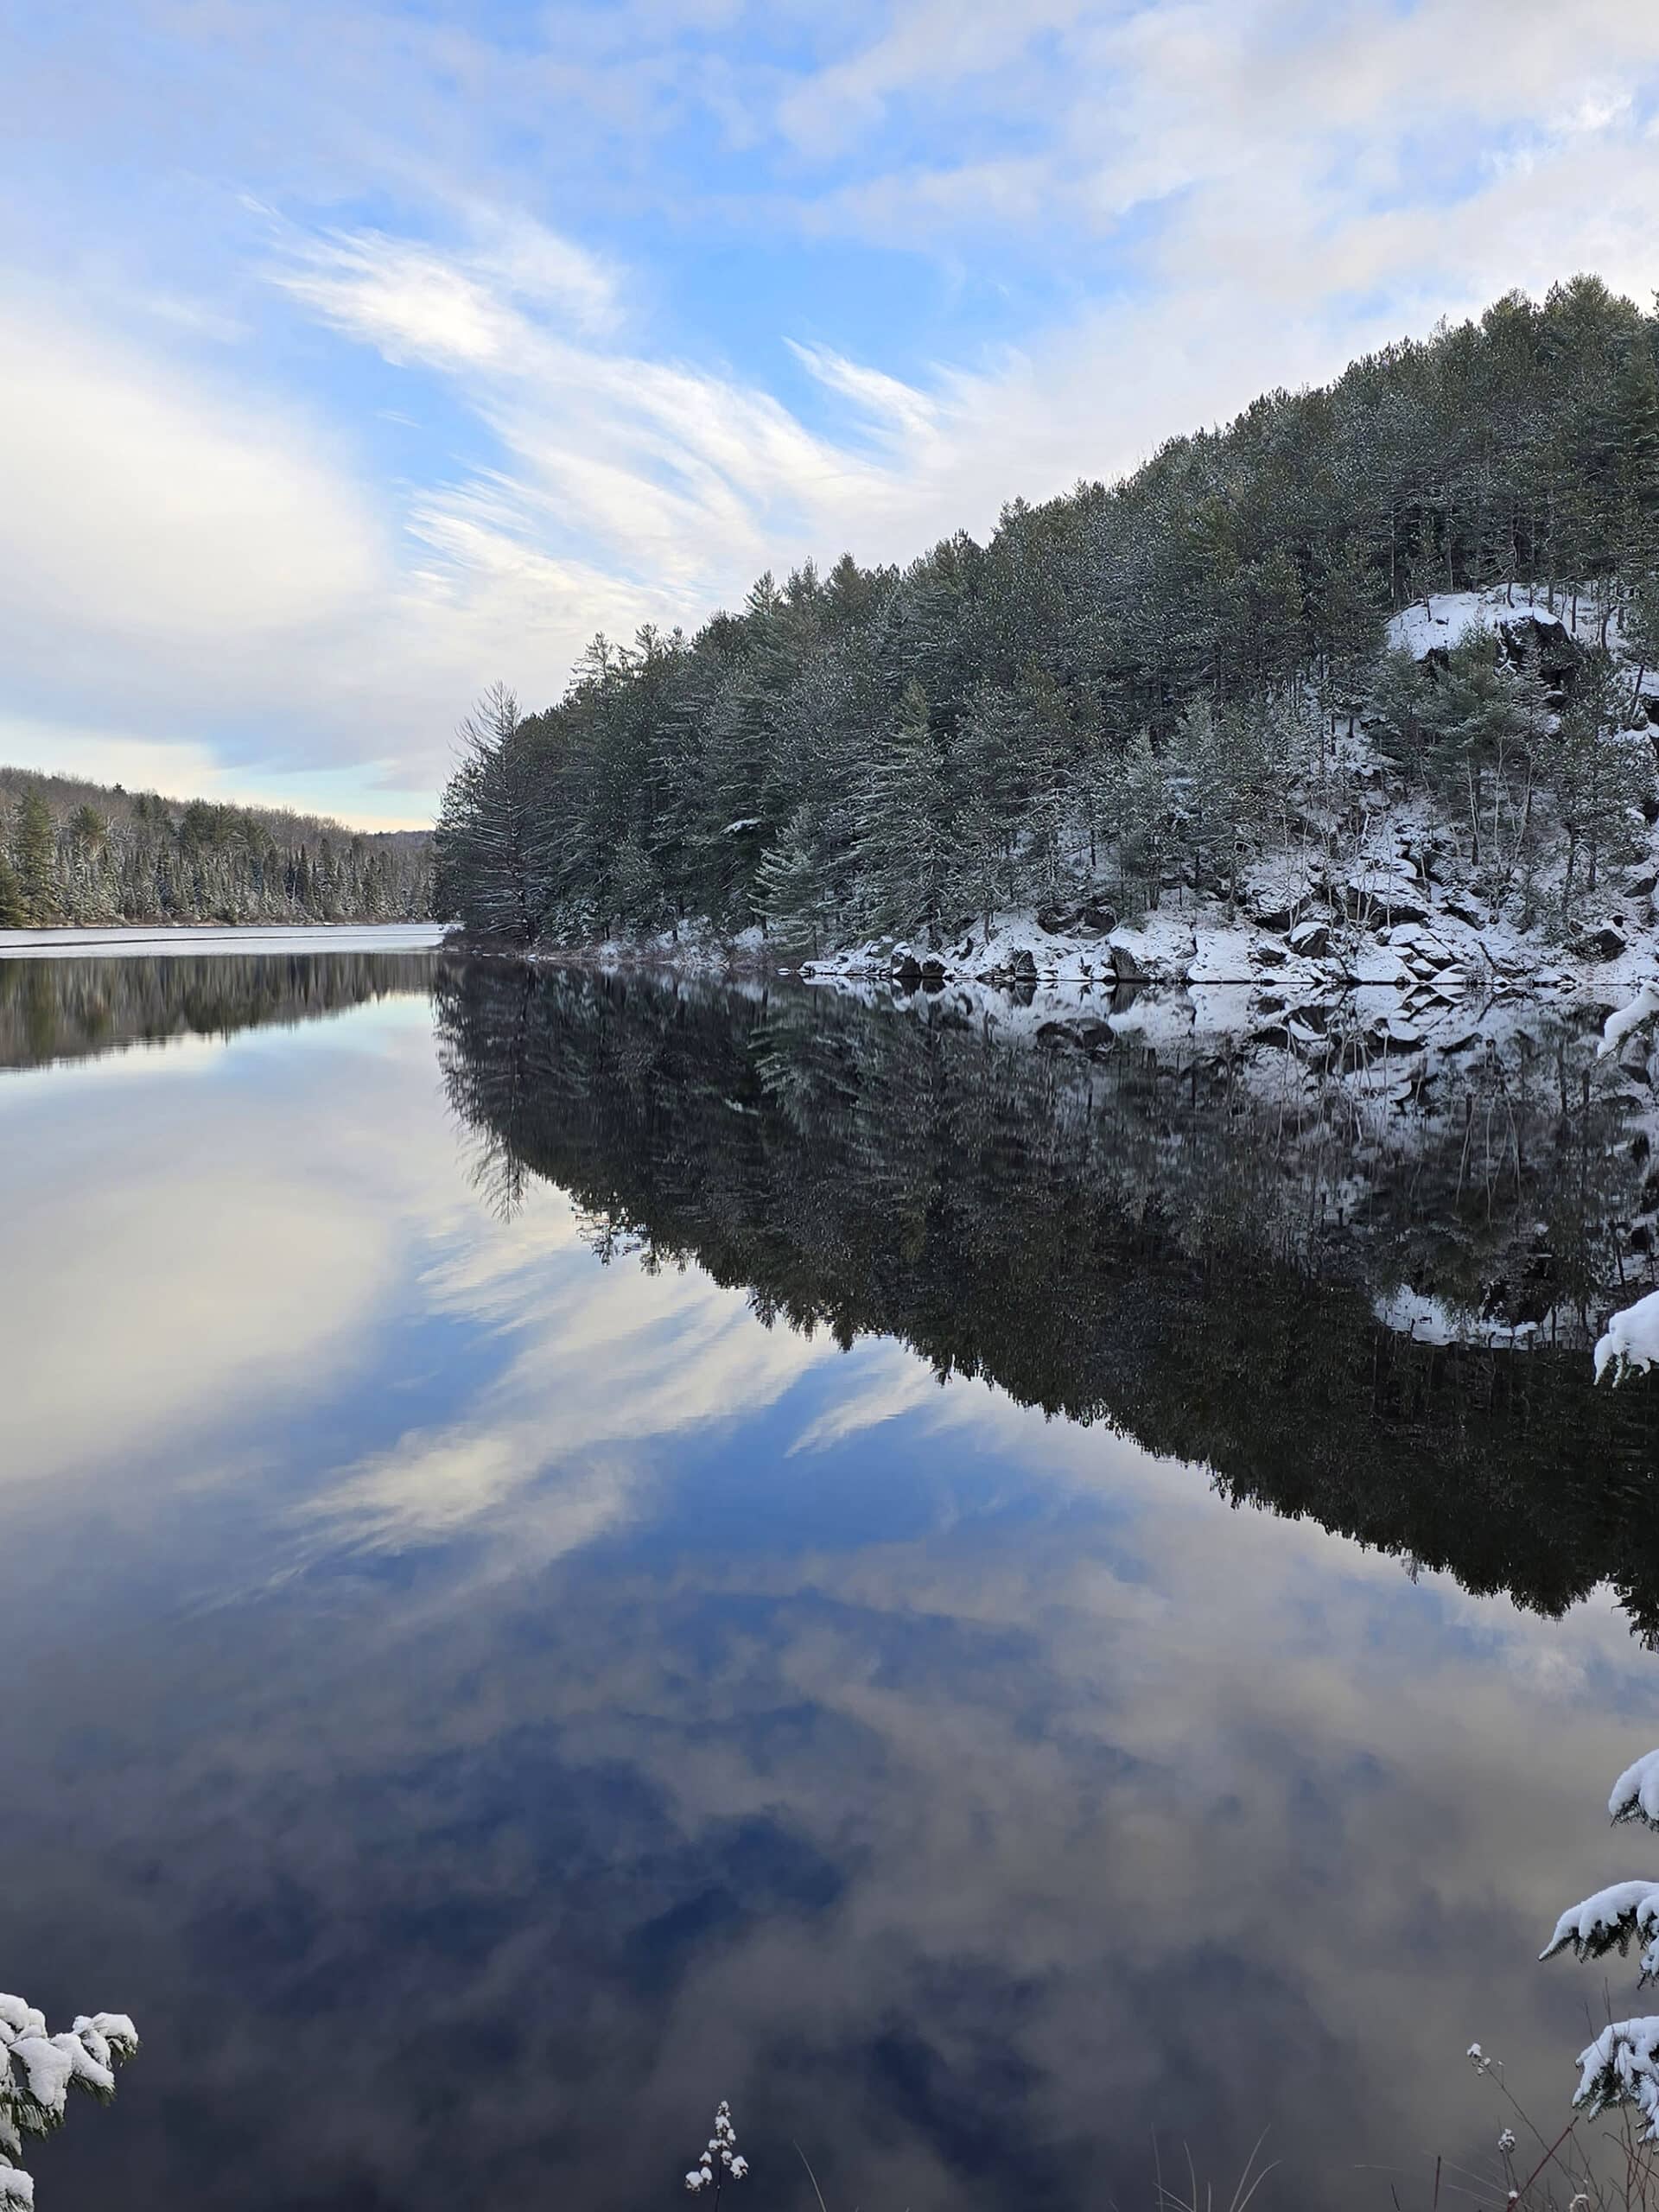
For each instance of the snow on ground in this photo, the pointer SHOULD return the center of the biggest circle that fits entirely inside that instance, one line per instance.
(1445, 618)
(1429, 1320)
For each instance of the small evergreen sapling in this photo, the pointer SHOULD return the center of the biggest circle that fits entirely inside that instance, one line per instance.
(1621, 2065)
(38, 2070)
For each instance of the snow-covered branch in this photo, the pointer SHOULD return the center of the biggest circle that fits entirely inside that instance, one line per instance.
(1617, 1026)
(1622, 2067)
(1608, 1921)
(38, 2070)
(1630, 1340)
(1635, 1795)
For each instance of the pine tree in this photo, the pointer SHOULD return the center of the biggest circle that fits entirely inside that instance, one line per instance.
(490, 840)
(904, 847)
(14, 908)
(36, 849)
(1599, 774)
(1349, 617)
(1144, 814)
(789, 892)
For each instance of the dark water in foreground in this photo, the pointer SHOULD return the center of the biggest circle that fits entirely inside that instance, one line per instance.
(509, 1639)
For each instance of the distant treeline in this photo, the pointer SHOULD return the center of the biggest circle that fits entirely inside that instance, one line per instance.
(53, 1010)
(1136, 1238)
(73, 852)
(1129, 687)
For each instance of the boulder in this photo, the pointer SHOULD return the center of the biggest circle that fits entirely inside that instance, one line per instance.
(1311, 940)
(1603, 944)
(1267, 916)
(1092, 918)
(1383, 900)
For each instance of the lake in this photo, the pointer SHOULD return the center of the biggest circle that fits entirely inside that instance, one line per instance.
(1011, 1589)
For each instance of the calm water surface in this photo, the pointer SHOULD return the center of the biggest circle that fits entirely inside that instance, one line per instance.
(509, 1640)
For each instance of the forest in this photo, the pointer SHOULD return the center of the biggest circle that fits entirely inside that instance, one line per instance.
(1137, 690)
(73, 853)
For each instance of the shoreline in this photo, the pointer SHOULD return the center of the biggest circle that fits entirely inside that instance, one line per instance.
(1434, 971)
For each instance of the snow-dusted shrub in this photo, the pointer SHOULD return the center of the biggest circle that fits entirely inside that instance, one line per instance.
(722, 2161)
(38, 2070)
(1621, 2065)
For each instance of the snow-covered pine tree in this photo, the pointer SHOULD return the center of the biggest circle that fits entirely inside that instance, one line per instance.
(1145, 824)
(790, 895)
(38, 2070)
(1600, 773)
(488, 834)
(1621, 2065)
(35, 851)
(904, 845)
(14, 908)
(1641, 628)
(996, 743)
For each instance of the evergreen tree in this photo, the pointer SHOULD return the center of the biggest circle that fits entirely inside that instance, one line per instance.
(489, 836)
(790, 893)
(14, 908)
(35, 845)
(905, 846)
(1599, 774)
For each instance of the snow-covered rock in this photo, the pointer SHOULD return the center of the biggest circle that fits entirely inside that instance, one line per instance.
(1446, 618)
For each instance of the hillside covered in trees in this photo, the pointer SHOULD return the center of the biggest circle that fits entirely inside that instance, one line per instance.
(77, 853)
(1160, 692)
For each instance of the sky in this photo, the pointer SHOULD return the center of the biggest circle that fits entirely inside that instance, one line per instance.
(354, 357)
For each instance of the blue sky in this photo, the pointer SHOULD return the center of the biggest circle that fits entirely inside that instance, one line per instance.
(353, 356)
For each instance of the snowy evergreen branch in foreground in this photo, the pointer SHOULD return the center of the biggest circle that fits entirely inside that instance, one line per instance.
(38, 2070)
(1621, 2065)
(1630, 1340)
(1617, 1026)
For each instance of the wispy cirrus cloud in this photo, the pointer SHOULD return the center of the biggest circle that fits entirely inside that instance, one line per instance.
(473, 334)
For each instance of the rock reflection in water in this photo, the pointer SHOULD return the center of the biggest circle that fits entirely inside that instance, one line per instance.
(1230, 1251)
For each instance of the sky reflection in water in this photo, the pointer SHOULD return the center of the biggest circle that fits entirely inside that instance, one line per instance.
(477, 1707)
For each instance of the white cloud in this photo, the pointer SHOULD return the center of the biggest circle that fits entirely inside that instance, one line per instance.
(1225, 197)
(458, 309)
(166, 513)
(405, 299)
(549, 1451)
